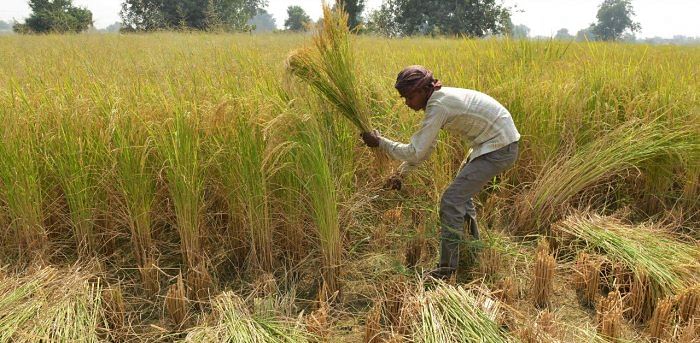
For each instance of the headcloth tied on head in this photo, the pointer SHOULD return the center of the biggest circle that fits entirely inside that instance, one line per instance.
(416, 77)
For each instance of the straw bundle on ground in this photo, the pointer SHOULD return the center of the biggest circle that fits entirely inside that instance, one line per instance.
(234, 322)
(455, 314)
(329, 67)
(661, 265)
(48, 305)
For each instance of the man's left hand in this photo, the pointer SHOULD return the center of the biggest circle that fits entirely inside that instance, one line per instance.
(371, 139)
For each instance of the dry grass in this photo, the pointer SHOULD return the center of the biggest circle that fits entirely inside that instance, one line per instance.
(543, 275)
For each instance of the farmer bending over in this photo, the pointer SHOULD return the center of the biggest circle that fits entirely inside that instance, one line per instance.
(476, 117)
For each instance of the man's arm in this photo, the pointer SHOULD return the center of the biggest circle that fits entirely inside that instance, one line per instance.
(422, 142)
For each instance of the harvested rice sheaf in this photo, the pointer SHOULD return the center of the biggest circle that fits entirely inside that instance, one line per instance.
(659, 264)
(454, 314)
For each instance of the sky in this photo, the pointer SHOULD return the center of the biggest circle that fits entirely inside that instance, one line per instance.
(544, 17)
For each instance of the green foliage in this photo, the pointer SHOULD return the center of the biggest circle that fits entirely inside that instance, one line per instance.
(520, 32)
(297, 19)
(150, 15)
(614, 18)
(474, 18)
(58, 16)
(354, 10)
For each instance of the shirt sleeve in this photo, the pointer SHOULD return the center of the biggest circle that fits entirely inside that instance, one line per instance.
(422, 142)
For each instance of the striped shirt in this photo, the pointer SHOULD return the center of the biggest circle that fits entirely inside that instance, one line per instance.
(476, 117)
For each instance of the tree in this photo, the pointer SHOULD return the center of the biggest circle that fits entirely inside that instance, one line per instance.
(382, 21)
(474, 18)
(563, 34)
(354, 9)
(614, 18)
(55, 16)
(520, 31)
(297, 19)
(586, 34)
(115, 27)
(263, 22)
(150, 15)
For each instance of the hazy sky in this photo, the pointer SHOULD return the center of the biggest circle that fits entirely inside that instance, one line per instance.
(544, 17)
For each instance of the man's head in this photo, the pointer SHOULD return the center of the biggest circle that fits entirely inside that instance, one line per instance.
(416, 84)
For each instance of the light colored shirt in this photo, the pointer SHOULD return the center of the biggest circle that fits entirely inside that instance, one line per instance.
(476, 117)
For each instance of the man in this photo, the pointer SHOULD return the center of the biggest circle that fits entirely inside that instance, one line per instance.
(474, 116)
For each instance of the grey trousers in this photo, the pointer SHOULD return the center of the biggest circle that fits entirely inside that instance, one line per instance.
(456, 205)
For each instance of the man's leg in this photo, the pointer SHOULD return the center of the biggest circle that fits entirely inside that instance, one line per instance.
(456, 204)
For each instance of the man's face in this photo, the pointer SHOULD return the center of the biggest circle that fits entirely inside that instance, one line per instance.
(416, 100)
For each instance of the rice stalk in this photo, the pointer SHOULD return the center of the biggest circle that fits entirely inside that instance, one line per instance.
(689, 304)
(624, 148)
(21, 186)
(586, 279)
(176, 302)
(136, 180)
(661, 265)
(661, 320)
(329, 66)
(543, 276)
(180, 145)
(609, 317)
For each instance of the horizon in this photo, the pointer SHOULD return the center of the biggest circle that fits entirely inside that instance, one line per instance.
(543, 17)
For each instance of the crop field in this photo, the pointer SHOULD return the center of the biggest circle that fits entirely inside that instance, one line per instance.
(188, 187)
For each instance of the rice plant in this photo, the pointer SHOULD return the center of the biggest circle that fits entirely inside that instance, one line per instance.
(626, 147)
(234, 322)
(245, 166)
(77, 154)
(21, 185)
(135, 176)
(330, 68)
(180, 146)
(314, 174)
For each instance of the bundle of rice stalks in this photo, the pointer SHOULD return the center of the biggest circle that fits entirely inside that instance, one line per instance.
(661, 320)
(627, 147)
(329, 67)
(455, 314)
(50, 306)
(609, 316)
(543, 275)
(660, 264)
(233, 322)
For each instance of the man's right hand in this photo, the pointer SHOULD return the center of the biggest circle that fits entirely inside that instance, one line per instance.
(371, 139)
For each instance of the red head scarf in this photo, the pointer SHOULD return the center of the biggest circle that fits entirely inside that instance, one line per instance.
(416, 77)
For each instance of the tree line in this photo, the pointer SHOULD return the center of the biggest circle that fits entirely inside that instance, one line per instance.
(394, 18)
